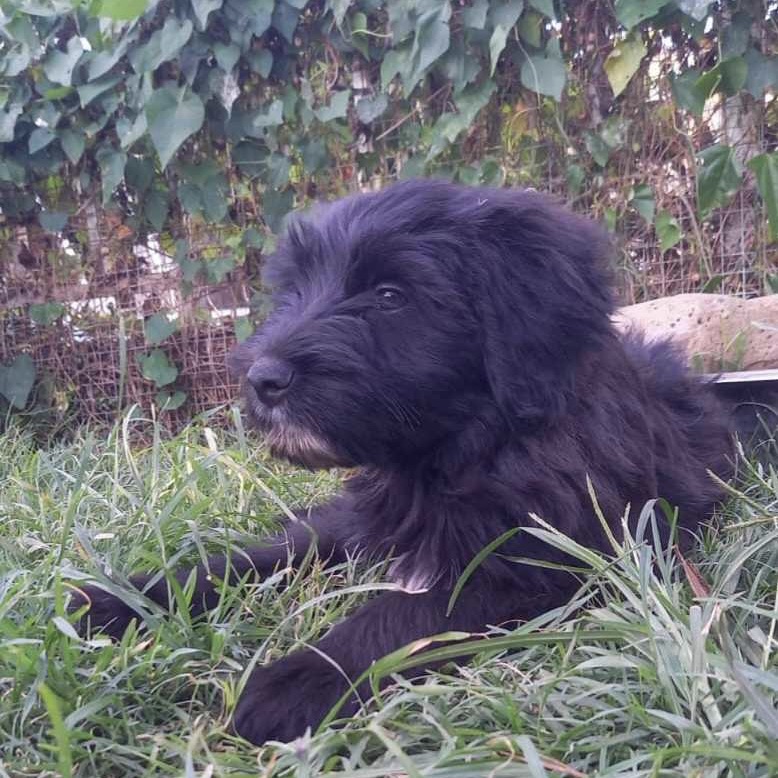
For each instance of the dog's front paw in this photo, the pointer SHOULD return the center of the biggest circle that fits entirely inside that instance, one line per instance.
(284, 699)
(106, 614)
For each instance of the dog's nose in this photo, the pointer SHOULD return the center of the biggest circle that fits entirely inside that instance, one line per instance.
(271, 379)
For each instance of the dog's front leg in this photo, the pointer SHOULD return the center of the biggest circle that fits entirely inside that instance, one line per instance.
(282, 699)
(328, 526)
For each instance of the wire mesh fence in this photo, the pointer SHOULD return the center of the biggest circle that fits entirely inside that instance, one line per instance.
(78, 300)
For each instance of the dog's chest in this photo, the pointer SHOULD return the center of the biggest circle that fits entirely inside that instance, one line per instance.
(409, 572)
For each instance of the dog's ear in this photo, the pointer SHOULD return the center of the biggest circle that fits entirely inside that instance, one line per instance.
(545, 298)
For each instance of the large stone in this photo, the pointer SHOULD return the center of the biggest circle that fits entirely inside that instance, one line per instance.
(717, 332)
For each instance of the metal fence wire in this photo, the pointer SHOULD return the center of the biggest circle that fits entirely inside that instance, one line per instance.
(79, 312)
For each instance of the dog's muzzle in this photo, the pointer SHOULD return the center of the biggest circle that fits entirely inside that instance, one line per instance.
(271, 379)
(269, 382)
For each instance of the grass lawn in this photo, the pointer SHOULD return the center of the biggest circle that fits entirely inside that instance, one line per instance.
(655, 673)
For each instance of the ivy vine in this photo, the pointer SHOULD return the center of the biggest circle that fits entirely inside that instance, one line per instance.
(231, 112)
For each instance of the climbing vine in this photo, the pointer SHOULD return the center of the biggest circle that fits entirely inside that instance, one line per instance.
(173, 116)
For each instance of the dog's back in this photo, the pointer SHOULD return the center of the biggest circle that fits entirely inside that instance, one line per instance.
(691, 429)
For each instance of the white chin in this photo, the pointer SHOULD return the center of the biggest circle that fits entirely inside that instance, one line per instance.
(300, 446)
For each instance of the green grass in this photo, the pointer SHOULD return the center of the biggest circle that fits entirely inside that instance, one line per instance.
(649, 679)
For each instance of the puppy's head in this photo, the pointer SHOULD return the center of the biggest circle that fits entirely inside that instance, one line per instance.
(401, 315)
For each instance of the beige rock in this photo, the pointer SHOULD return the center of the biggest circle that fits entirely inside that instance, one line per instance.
(717, 332)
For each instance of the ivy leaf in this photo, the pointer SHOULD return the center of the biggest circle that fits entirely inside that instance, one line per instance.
(121, 10)
(52, 221)
(139, 173)
(190, 269)
(215, 203)
(158, 328)
(718, 177)
(45, 314)
(166, 400)
(173, 115)
(250, 158)
(414, 167)
(314, 154)
(632, 12)
(598, 148)
(623, 62)
(130, 130)
(243, 328)
(765, 167)
(396, 61)
(100, 62)
(19, 29)
(430, 42)
(190, 197)
(72, 143)
(496, 46)
(39, 138)
(339, 9)
(505, 12)
(733, 74)
(203, 190)
(112, 163)
(504, 15)
(546, 7)
(88, 92)
(162, 46)
(290, 100)
(227, 55)
(545, 75)
(667, 230)
(458, 65)
(697, 9)
(448, 126)
(762, 72)
(252, 238)
(59, 65)
(279, 167)
(275, 205)
(691, 90)
(370, 108)
(530, 26)
(272, 116)
(255, 16)
(156, 367)
(736, 35)
(8, 123)
(642, 200)
(475, 15)
(285, 16)
(17, 379)
(575, 178)
(202, 10)
(337, 108)
(261, 62)
(155, 208)
(216, 269)
(708, 83)
(400, 20)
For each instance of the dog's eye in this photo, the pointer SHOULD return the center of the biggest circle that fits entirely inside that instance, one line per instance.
(389, 298)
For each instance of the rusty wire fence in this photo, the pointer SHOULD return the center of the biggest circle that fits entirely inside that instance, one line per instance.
(77, 302)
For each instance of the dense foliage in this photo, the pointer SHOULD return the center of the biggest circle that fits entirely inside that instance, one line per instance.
(165, 117)
(186, 105)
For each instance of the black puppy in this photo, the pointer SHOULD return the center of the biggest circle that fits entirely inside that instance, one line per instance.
(455, 345)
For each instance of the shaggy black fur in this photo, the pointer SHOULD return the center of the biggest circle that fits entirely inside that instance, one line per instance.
(454, 344)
